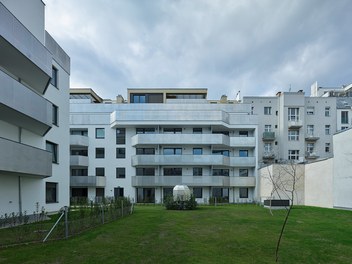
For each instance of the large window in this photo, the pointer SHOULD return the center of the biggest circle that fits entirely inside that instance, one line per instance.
(80, 132)
(100, 133)
(293, 154)
(197, 130)
(243, 153)
(79, 172)
(54, 75)
(197, 171)
(293, 114)
(243, 133)
(197, 151)
(55, 115)
(172, 151)
(310, 148)
(221, 152)
(120, 136)
(138, 99)
(267, 110)
(267, 128)
(145, 171)
(99, 153)
(172, 171)
(197, 192)
(176, 130)
(99, 171)
(221, 172)
(145, 151)
(344, 117)
(243, 172)
(120, 173)
(53, 148)
(120, 153)
(118, 192)
(147, 130)
(293, 135)
(268, 147)
(51, 192)
(243, 192)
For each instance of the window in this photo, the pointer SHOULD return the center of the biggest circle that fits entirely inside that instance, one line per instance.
(55, 117)
(221, 172)
(53, 148)
(267, 128)
(293, 114)
(226, 133)
(79, 152)
(243, 192)
(197, 171)
(197, 192)
(138, 98)
(327, 129)
(344, 127)
(243, 133)
(267, 110)
(310, 148)
(310, 130)
(310, 110)
(99, 171)
(79, 172)
(268, 147)
(327, 111)
(51, 192)
(344, 117)
(172, 171)
(145, 171)
(120, 153)
(293, 135)
(120, 136)
(197, 130)
(118, 192)
(80, 132)
(197, 151)
(293, 154)
(172, 151)
(243, 172)
(54, 75)
(172, 130)
(100, 133)
(327, 147)
(149, 130)
(145, 151)
(120, 173)
(221, 152)
(243, 153)
(221, 192)
(167, 192)
(99, 153)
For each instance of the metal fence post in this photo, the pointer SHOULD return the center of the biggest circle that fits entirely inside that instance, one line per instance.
(121, 208)
(102, 213)
(66, 222)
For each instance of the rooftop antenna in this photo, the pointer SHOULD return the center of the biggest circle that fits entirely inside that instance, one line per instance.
(290, 88)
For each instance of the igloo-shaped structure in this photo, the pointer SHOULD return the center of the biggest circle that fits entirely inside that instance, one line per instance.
(181, 193)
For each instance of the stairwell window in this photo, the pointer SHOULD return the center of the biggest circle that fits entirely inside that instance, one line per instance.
(53, 148)
(344, 117)
(54, 77)
(55, 117)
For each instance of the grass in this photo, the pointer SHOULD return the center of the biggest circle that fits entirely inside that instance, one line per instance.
(223, 234)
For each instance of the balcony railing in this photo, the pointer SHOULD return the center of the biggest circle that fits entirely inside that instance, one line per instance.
(78, 160)
(268, 136)
(311, 137)
(268, 155)
(87, 181)
(295, 123)
(78, 140)
(23, 160)
(22, 53)
(183, 160)
(311, 155)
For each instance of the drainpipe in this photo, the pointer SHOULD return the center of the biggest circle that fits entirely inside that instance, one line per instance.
(19, 177)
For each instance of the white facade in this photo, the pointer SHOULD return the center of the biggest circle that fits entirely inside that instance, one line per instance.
(34, 105)
(203, 145)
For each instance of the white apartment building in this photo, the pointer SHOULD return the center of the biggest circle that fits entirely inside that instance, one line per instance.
(294, 127)
(158, 138)
(34, 112)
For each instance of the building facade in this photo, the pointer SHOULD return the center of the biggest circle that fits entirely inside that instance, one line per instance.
(34, 112)
(158, 138)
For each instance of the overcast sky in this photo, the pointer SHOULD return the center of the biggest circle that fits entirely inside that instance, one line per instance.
(258, 47)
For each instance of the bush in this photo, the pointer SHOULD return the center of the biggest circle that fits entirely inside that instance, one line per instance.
(189, 204)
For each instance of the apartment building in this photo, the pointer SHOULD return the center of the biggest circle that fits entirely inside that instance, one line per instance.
(34, 112)
(158, 138)
(294, 127)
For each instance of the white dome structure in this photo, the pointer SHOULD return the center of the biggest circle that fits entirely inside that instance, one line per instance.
(181, 193)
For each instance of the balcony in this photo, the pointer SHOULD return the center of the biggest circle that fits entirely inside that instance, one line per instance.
(87, 181)
(311, 155)
(151, 181)
(197, 160)
(22, 54)
(242, 142)
(79, 141)
(22, 160)
(294, 124)
(22, 107)
(269, 155)
(79, 161)
(242, 181)
(268, 136)
(311, 137)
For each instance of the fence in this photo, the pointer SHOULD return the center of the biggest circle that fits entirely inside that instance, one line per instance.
(21, 229)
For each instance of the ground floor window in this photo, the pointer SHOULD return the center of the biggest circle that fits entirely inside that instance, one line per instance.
(51, 192)
(198, 192)
(222, 194)
(167, 192)
(243, 192)
(79, 192)
(145, 195)
(118, 192)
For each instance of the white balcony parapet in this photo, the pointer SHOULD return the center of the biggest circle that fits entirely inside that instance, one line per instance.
(79, 140)
(78, 160)
(242, 181)
(87, 181)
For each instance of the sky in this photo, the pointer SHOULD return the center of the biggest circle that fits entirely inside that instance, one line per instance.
(258, 47)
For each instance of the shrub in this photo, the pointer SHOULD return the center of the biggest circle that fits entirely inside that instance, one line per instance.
(171, 204)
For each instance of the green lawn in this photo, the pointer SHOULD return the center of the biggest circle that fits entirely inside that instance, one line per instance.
(223, 234)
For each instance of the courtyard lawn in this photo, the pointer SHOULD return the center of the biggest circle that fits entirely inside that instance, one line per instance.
(222, 234)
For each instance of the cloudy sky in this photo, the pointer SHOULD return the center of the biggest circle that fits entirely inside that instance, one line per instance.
(256, 46)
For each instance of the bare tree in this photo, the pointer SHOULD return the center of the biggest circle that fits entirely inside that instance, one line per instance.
(286, 182)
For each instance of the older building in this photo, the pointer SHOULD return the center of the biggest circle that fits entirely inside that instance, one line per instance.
(34, 104)
(143, 146)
